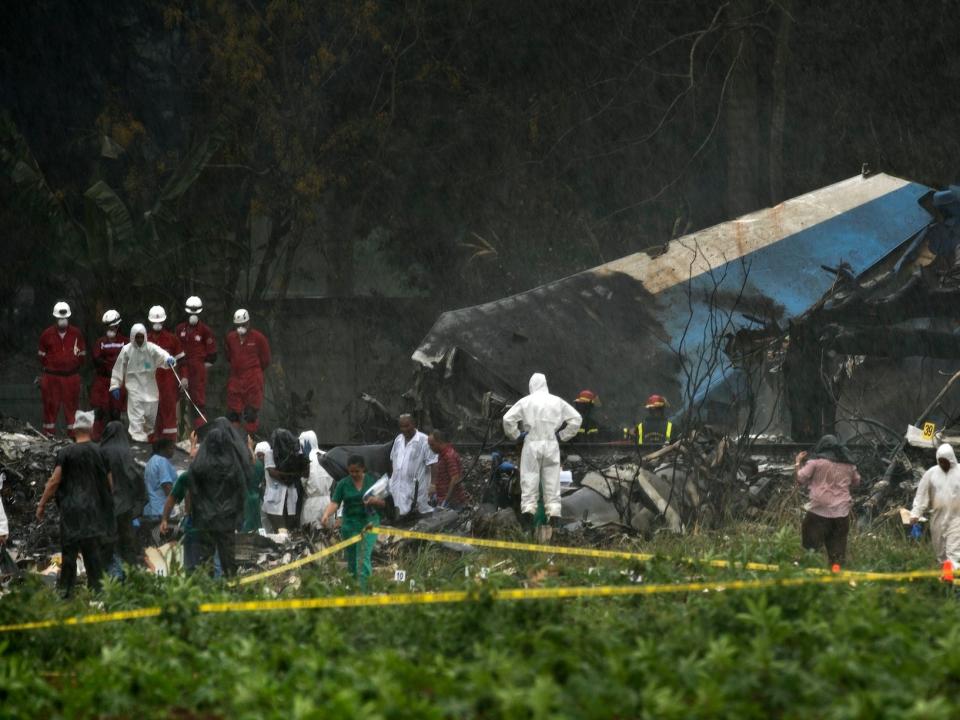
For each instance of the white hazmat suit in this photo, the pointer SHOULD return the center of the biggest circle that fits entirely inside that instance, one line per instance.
(317, 484)
(136, 369)
(541, 415)
(938, 497)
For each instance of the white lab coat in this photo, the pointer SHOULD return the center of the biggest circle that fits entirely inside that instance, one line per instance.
(938, 497)
(4, 526)
(275, 493)
(541, 415)
(317, 485)
(136, 370)
(411, 460)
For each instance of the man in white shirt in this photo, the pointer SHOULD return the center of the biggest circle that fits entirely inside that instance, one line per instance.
(279, 499)
(410, 460)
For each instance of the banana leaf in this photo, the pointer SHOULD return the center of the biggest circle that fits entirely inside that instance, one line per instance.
(117, 236)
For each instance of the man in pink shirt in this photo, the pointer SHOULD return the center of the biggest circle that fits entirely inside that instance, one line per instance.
(829, 471)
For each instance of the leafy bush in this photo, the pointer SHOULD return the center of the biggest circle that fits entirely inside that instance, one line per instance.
(836, 651)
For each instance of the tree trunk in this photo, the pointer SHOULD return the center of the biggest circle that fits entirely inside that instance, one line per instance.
(741, 115)
(778, 111)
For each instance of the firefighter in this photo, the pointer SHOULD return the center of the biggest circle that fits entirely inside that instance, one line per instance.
(200, 352)
(62, 351)
(656, 429)
(167, 385)
(248, 353)
(105, 352)
(584, 404)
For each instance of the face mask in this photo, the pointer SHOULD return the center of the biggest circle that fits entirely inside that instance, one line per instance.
(158, 327)
(193, 319)
(242, 329)
(62, 323)
(111, 333)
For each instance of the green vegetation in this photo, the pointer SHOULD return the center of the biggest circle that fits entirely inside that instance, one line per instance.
(839, 651)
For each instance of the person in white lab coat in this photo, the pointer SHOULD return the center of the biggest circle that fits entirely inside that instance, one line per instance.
(410, 460)
(280, 494)
(4, 526)
(136, 369)
(540, 419)
(938, 497)
(317, 485)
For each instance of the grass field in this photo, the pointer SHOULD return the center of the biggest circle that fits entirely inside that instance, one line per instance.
(852, 650)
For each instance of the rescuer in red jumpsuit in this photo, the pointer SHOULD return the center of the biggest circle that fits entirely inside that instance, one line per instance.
(200, 352)
(167, 385)
(248, 353)
(62, 351)
(105, 351)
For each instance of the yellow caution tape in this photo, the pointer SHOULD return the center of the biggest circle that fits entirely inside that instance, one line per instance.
(581, 552)
(85, 619)
(456, 596)
(559, 593)
(247, 579)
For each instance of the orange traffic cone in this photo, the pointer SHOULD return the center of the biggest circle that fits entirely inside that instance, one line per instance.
(947, 574)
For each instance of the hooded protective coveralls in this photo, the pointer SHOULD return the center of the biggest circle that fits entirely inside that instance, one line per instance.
(135, 369)
(541, 415)
(318, 483)
(938, 497)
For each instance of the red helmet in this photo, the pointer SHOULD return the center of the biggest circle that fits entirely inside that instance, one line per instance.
(587, 397)
(656, 401)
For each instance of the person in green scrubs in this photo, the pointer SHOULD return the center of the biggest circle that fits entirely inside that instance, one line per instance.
(357, 514)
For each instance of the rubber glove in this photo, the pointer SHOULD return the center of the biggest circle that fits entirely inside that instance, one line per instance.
(171, 361)
(115, 393)
(916, 531)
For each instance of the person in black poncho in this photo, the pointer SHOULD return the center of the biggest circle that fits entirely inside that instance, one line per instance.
(129, 492)
(216, 482)
(82, 485)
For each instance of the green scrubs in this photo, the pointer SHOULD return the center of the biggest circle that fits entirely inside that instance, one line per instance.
(356, 516)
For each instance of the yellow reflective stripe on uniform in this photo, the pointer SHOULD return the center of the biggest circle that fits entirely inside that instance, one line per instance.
(639, 433)
(669, 430)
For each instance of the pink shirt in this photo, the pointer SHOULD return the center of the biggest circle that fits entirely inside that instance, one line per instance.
(830, 484)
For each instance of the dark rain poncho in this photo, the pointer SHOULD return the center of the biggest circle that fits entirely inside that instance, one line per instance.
(830, 448)
(288, 456)
(218, 479)
(129, 490)
(83, 496)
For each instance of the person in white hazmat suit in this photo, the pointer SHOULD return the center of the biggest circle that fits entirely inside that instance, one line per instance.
(136, 370)
(938, 497)
(317, 484)
(540, 418)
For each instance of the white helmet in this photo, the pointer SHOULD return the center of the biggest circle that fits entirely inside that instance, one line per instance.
(240, 317)
(193, 306)
(61, 310)
(111, 318)
(157, 314)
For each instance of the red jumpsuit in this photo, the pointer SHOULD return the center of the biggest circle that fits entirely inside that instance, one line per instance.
(60, 358)
(105, 352)
(249, 356)
(199, 347)
(167, 386)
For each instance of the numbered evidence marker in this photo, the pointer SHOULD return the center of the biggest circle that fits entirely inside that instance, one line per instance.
(929, 429)
(399, 576)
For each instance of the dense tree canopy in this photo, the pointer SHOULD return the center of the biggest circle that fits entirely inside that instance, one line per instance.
(257, 151)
